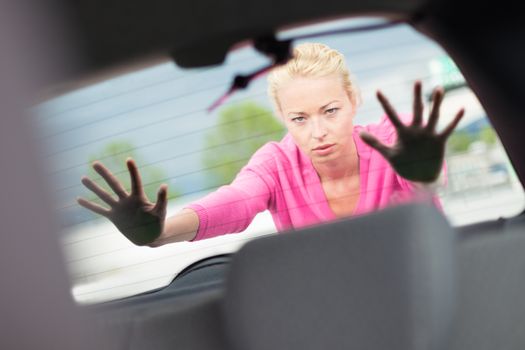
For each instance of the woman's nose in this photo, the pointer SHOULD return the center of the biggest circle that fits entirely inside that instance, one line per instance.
(319, 130)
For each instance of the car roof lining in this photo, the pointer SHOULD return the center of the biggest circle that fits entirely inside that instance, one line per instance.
(198, 32)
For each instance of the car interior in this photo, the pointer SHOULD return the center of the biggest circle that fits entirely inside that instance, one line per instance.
(399, 278)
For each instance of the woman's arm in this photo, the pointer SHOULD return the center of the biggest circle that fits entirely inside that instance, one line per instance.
(229, 209)
(232, 207)
(180, 227)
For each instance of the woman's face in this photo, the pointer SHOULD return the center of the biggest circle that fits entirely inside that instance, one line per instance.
(319, 115)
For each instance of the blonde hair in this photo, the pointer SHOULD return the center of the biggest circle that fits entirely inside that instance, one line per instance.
(313, 60)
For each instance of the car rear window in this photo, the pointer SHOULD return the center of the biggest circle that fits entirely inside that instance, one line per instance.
(158, 116)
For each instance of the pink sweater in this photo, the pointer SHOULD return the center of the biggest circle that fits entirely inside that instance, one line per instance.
(281, 178)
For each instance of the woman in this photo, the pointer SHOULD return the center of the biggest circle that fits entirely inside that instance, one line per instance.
(324, 168)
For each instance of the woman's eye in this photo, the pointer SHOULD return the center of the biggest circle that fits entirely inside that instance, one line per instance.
(298, 119)
(331, 110)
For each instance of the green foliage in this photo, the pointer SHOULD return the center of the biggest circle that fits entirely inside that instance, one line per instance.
(459, 141)
(488, 135)
(241, 130)
(113, 155)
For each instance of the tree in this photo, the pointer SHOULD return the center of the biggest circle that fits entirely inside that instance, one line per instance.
(113, 155)
(242, 129)
(459, 141)
(488, 135)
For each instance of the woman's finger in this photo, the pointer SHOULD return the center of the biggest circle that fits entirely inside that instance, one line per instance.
(390, 111)
(93, 207)
(437, 98)
(99, 191)
(136, 181)
(418, 105)
(373, 142)
(112, 181)
(450, 128)
(162, 198)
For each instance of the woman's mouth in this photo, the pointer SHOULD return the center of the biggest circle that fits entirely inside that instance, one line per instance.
(324, 149)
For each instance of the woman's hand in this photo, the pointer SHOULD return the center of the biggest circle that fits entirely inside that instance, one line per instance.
(419, 150)
(141, 221)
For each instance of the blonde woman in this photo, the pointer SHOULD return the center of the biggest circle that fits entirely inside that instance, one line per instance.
(324, 168)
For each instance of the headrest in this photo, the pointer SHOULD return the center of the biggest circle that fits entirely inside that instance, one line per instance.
(380, 281)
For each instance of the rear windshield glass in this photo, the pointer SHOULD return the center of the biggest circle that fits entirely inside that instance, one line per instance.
(159, 117)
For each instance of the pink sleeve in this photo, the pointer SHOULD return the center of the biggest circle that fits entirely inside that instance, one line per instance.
(232, 207)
